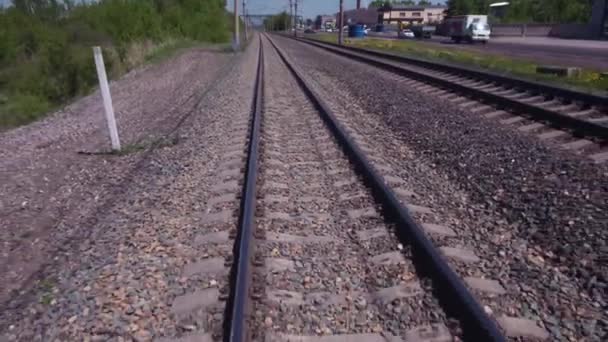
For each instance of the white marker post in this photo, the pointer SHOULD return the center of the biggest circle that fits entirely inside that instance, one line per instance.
(107, 98)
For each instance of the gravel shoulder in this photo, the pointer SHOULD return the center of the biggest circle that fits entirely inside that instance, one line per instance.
(90, 240)
(534, 214)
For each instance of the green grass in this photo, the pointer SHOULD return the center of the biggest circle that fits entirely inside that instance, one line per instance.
(150, 143)
(589, 80)
(169, 49)
(30, 108)
(20, 109)
(45, 50)
(46, 287)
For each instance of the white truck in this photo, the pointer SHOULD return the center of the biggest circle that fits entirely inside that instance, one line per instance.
(470, 28)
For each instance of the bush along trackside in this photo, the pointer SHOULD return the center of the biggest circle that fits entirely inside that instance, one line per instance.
(45, 45)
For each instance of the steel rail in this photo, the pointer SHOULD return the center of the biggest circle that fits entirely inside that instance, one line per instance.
(238, 305)
(477, 326)
(579, 127)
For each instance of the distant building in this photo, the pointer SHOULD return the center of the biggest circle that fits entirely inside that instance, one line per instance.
(433, 14)
(364, 16)
(325, 21)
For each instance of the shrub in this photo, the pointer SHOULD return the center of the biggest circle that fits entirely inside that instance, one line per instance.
(45, 46)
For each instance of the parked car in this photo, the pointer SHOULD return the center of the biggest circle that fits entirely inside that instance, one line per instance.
(309, 31)
(423, 31)
(406, 34)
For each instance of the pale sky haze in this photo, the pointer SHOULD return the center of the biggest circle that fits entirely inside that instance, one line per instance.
(307, 8)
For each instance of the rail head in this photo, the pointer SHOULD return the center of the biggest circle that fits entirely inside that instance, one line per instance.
(477, 326)
(238, 306)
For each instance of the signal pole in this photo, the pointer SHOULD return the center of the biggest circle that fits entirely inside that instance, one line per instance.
(341, 23)
(295, 31)
(245, 21)
(235, 42)
(291, 14)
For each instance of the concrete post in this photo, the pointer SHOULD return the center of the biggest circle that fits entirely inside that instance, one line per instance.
(107, 98)
(245, 22)
(290, 15)
(341, 23)
(236, 41)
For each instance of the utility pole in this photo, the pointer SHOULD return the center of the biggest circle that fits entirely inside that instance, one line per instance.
(235, 42)
(341, 23)
(245, 21)
(295, 31)
(291, 13)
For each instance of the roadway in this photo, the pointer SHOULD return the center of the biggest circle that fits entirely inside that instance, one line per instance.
(589, 54)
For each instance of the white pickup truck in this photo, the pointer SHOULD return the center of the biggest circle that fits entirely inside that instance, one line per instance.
(470, 28)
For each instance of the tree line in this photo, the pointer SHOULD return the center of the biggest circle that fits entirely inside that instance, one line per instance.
(279, 22)
(539, 11)
(45, 45)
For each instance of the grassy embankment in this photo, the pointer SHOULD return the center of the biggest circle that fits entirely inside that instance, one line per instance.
(45, 49)
(588, 80)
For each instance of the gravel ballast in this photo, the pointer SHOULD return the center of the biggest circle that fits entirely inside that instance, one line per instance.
(533, 213)
(122, 263)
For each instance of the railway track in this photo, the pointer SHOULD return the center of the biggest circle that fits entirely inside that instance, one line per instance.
(328, 246)
(576, 121)
(305, 228)
(314, 254)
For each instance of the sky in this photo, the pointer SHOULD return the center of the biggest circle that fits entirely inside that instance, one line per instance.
(307, 8)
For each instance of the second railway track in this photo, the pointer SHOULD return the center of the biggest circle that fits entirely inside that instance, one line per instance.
(326, 249)
(576, 121)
